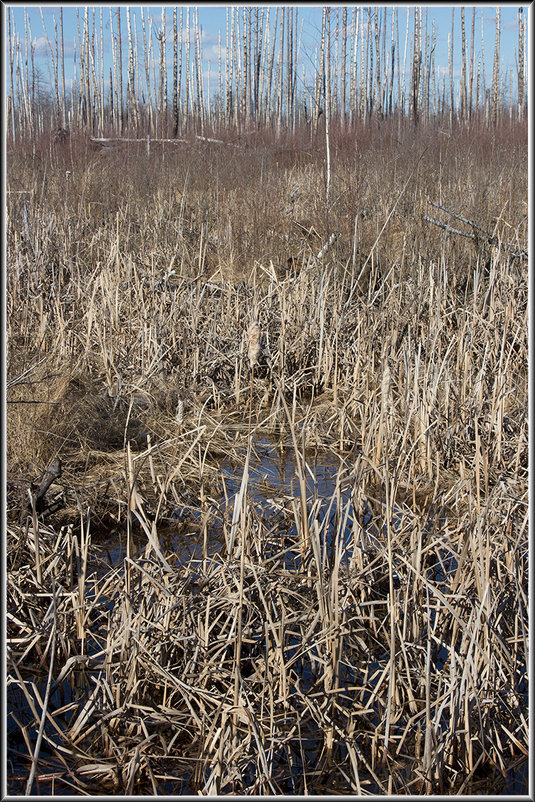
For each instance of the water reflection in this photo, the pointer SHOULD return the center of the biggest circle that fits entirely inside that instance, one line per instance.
(274, 501)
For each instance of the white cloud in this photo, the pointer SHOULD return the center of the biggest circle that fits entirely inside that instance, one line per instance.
(211, 53)
(512, 25)
(40, 46)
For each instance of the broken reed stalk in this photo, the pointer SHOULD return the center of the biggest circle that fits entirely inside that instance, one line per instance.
(51, 649)
(253, 352)
(299, 459)
(389, 489)
(36, 540)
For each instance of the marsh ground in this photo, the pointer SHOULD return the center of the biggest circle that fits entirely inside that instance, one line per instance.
(392, 663)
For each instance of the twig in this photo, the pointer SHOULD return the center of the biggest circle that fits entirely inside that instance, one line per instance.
(327, 245)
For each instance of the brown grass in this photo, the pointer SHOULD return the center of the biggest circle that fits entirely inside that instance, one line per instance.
(388, 657)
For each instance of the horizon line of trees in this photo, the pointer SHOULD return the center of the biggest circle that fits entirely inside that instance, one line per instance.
(359, 75)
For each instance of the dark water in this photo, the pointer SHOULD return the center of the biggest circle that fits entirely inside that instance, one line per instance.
(274, 492)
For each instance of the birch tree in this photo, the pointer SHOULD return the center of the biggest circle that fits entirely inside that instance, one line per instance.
(496, 72)
(120, 72)
(131, 72)
(464, 104)
(471, 74)
(175, 73)
(320, 73)
(521, 90)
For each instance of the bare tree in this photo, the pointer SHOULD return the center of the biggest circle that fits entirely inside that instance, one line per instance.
(402, 92)
(464, 104)
(257, 62)
(95, 94)
(370, 83)
(496, 72)
(416, 66)
(270, 70)
(521, 90)
(62, 56)
(435, 87)
(131, 72)
(471, 76)
(363, 69)
(120, 71)
(237, 68)
(162, 38)
(175, 73)
(101, 89)
(263, 66)
(353, 77)
(483, 82)
(320, 74)
(343, 68)
(248, 105)
(246, 74)
(11, 58)
(198, 70)
(147, 47)
(451, 64)
(84, 71)
(327, 108)
(379, 108)
(28, 94)
(289, 64)
(188, 67)
(113, 83)
(228, 67)
(54, 65)
(281, 75)
(220, 106)
(426, 68)
(393, 42)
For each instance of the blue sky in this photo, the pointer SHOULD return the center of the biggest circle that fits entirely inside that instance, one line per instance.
(212, 19)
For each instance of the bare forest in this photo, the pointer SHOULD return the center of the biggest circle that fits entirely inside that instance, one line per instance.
(266, 408)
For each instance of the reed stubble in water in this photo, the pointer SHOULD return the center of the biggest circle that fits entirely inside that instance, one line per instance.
(413, 581)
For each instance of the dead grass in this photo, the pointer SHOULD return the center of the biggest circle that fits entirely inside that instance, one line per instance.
(389, 653)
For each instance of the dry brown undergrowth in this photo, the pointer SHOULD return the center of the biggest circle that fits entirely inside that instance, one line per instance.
(392, 661)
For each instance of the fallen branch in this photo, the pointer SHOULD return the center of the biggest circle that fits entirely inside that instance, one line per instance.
(52, 472)
(209, 139)
(491, 239)
(118, 140)
(449, 229)
(109, 142)
(462, 219)
(38, 492)
(332, 239)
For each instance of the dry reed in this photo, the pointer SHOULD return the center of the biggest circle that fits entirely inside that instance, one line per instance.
(374, 641)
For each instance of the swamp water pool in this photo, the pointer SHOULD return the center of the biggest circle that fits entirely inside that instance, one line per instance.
(284, 657)
(273, 493)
